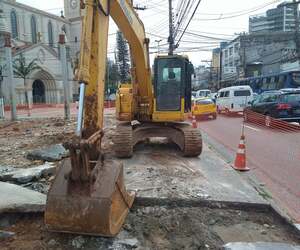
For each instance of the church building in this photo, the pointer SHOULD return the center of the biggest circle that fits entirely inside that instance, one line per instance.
(35, 34)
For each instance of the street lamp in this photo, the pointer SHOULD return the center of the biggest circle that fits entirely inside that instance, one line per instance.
(158, 42)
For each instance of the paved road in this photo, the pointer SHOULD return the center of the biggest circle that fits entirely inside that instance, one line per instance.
(273, 156)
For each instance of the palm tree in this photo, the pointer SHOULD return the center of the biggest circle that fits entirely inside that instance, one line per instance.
(22, 70)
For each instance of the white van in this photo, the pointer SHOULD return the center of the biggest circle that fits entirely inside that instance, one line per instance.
(203, 93)
(234, 99)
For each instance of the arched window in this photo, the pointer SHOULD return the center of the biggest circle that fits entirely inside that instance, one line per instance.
(14, 24)
(33, 30)
(50, 34)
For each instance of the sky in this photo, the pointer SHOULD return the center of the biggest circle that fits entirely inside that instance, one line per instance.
(216, 20)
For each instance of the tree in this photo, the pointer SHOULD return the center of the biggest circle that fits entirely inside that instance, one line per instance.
(123, 60)
(112, 76)
(22, 70)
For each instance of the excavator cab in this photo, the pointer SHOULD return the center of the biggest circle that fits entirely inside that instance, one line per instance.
(172, 88)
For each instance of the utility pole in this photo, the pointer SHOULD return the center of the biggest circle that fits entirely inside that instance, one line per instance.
(64, 65)
(171, 29)
(12, 87)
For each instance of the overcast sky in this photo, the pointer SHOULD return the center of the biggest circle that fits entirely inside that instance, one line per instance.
(216, 19)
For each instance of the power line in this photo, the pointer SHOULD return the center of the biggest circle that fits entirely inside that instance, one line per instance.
(199, 1)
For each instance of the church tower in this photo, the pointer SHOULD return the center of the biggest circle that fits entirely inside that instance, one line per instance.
(72, 9)
(72, 13)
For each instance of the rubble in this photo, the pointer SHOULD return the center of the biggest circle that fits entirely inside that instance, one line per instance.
(78, 242)
(132, 243)
(260, 246)
(14, 198)
(53, 153)
(29, 174)
(6, 235)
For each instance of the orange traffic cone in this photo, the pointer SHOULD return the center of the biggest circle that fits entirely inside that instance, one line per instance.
(194, 122)
(240, 160)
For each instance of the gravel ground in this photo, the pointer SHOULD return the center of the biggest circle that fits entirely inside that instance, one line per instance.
(145, 227)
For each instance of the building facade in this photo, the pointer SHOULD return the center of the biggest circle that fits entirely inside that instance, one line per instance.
(230, 59)
(35, 36)
(280, 19)
(258, 54)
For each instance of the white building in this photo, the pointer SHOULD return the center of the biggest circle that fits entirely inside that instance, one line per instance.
(231, 60)
(279, 19)
(35, 35)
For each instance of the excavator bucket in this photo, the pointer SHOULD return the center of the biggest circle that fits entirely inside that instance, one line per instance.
(96, 205)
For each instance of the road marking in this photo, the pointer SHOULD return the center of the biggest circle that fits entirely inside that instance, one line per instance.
(255, 129)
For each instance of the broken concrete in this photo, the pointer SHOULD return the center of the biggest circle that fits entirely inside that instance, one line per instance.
(155, 171)
(5, 169)
(259, 246)
(53, 153)
(14, 198)
(26, 175)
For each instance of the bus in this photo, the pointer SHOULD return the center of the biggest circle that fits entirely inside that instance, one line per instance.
(271, 82)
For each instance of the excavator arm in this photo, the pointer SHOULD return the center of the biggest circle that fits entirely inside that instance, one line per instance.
(88, 195)
(92, 66)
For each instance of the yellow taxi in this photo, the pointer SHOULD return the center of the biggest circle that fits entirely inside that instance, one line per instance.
(204, 107)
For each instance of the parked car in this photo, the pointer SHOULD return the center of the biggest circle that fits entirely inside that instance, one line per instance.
(204, 107)
(288, 90)
(203, 93)
(234, 99)
(279, 105)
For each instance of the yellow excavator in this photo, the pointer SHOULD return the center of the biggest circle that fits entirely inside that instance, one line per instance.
(88, 195)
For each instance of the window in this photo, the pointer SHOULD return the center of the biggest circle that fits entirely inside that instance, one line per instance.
(171, 74)
(50, 34)
(265, 83)
(226, 53)
(33, 30)
(222, 94)
(242, 93)
(291, 98)
(296, 79)
(272, 85)
(204, 102)
(269, 98)
(14, 24)
(231, 51)
(76, 39)
(226, 94)
(236, 48)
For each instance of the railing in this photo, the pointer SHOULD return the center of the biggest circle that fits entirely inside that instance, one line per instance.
(270, 122)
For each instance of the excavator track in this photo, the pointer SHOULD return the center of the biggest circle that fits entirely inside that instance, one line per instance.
(123, 141)
(192, 141)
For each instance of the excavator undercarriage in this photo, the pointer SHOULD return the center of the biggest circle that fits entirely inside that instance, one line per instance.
(182, 134)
